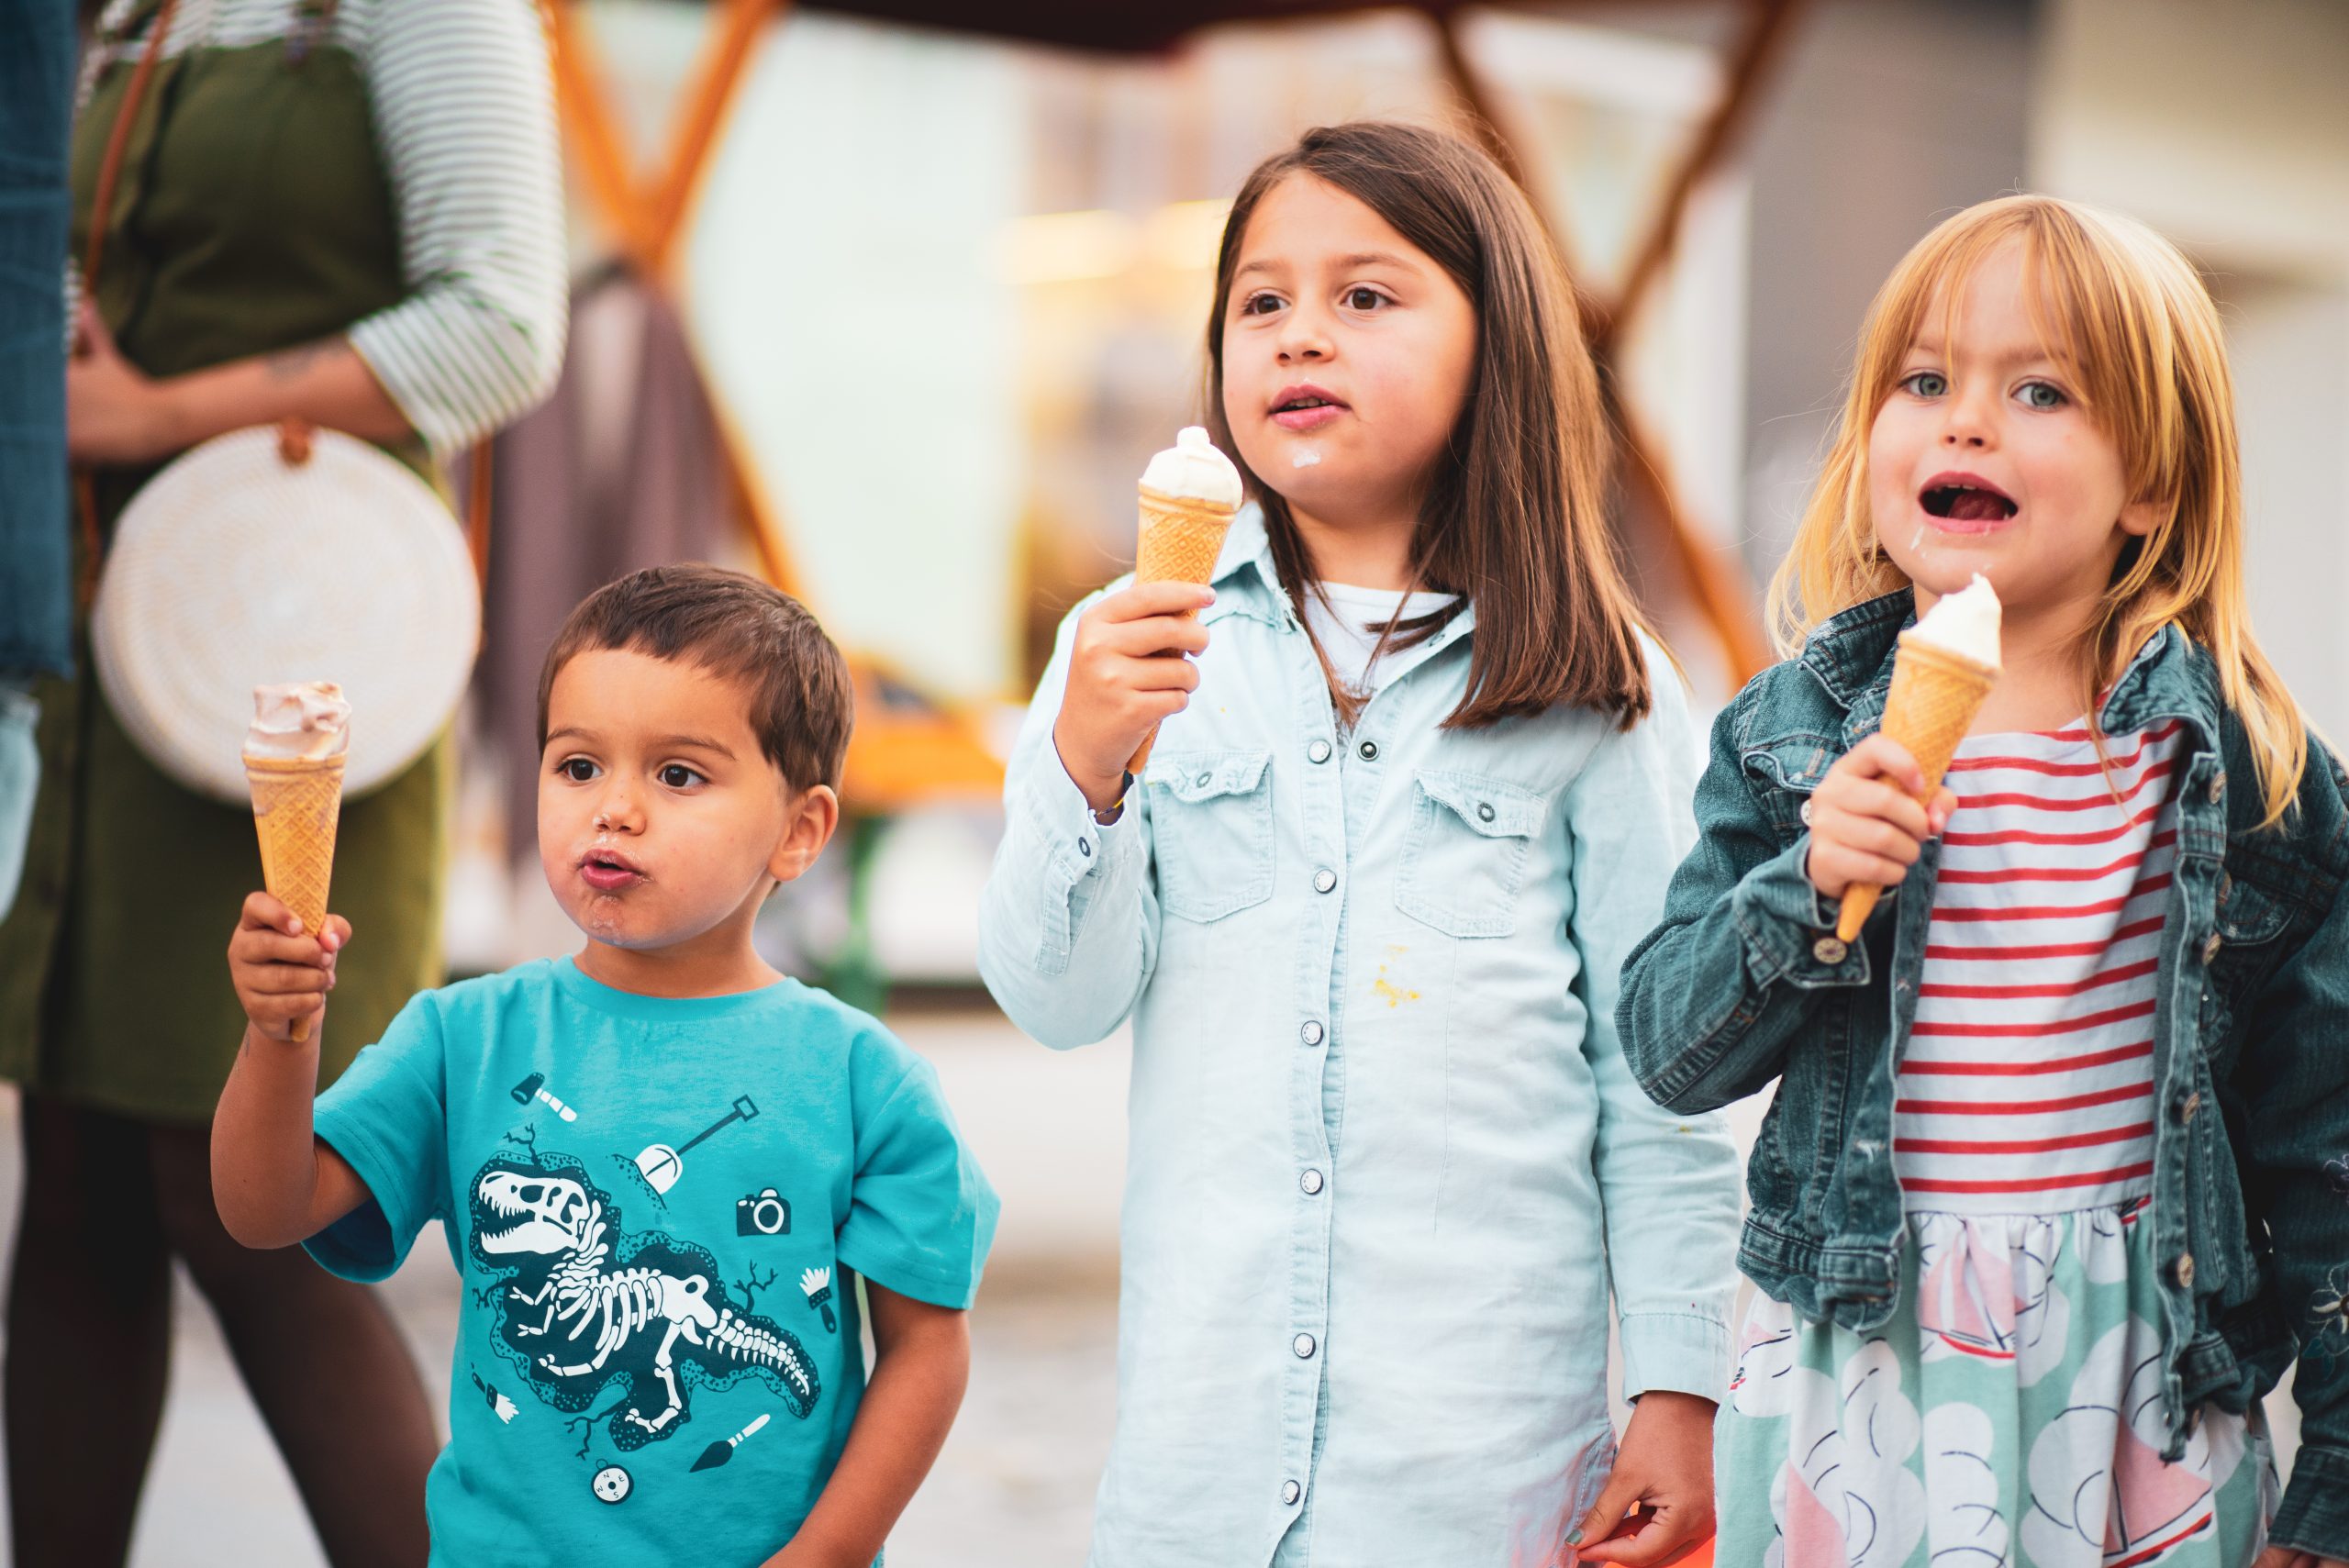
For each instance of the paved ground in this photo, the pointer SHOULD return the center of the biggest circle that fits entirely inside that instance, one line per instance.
(1014, 1488)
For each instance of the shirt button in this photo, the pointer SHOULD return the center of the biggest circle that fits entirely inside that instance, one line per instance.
(1291, 1492)
(2218, 786)
(1368, 750)
(1829, 950)
(1312, 1032)
(1303, 1346)
(1317, 752)
(2182, 1270)
(2210, 950)
(2188, 1105)
(1324, 879)
(1310, 1181)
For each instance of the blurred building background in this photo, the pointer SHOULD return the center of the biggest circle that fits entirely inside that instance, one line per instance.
(895, 313)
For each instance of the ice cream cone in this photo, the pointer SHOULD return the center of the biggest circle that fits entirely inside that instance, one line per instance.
(1935, 694)
(296, 803)
(1181, 536)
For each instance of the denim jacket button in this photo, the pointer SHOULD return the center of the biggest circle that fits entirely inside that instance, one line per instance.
(1291, 1492)
(1317, 752)
(1368, 750)
(2210, 949)
(2182, 1270)
(1830, 951)
(2218, 786)
(1084, 847)
(1310, 1181)
(1303, 1346)
(1324, 879)
(1806, 811)
(1311, 1033)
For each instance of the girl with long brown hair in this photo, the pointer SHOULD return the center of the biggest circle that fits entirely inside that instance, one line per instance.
(1422, 775)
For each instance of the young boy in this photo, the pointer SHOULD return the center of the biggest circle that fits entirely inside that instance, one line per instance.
(661, 1166)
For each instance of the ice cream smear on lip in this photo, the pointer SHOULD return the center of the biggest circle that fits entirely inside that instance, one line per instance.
(1193, 470)
(302, 721)
(1965, 623)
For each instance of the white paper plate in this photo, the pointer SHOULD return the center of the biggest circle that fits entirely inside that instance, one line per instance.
(232, 569)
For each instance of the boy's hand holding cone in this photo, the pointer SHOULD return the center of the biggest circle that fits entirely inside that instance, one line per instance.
(1884, 798)
(293, 759)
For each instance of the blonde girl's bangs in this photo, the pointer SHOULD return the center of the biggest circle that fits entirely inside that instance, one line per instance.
(2131, 329)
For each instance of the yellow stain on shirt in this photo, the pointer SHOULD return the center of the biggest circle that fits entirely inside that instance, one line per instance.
(1386, 990)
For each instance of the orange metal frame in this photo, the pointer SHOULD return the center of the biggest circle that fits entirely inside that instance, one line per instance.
(898, 760)
(1716, 582)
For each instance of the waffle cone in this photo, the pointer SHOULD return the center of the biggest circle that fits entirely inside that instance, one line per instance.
(1935, 694)
(1181, 536)
(296, 804)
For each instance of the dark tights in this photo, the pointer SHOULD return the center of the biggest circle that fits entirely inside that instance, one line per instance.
(108, 1203)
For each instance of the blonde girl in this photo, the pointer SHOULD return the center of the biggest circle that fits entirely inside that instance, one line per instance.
(2041, 1210)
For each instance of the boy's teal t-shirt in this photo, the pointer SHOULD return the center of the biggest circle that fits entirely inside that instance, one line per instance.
(656, 1207)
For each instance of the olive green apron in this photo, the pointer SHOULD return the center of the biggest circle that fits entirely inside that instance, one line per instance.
(251, 213)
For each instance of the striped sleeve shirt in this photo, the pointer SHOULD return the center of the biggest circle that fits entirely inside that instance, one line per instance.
(463, 102)
(2028, 1083)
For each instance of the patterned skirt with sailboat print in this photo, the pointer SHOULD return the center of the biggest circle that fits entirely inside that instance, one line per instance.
(2010, 1417)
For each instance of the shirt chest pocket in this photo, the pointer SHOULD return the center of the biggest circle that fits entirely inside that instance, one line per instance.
(1211, 830)
(1464, 852)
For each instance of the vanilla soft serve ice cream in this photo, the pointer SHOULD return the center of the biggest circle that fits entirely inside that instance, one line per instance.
(300, 721)
(1193, 470)
(1965, 623)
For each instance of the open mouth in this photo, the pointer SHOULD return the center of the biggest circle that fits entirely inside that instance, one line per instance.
(1304, 408)
(603, 870)
(1965, 498)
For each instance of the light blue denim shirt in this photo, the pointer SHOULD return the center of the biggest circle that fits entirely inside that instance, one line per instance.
(1387, 1157)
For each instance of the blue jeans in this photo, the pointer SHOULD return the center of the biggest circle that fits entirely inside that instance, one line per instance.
(36, 114)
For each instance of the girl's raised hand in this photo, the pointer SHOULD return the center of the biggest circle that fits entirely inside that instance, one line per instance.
(282, 972)
(1866, 825)
(1129, 670)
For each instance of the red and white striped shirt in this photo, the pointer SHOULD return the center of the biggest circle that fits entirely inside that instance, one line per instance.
(2028, 1085)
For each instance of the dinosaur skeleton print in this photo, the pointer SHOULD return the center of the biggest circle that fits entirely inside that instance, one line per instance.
(587, 1311)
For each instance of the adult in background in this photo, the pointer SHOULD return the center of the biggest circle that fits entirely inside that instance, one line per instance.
(348, 214)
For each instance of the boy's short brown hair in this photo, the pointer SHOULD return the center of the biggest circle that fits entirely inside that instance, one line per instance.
(803, 702)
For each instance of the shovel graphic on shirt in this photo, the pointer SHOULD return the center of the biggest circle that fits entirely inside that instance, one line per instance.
(661, 1165)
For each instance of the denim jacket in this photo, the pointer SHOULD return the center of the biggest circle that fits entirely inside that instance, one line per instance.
(1744, 981)
(1387, 1160)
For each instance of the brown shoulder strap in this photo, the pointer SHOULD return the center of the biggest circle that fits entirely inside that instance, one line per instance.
(117, 142)
(85, 493)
